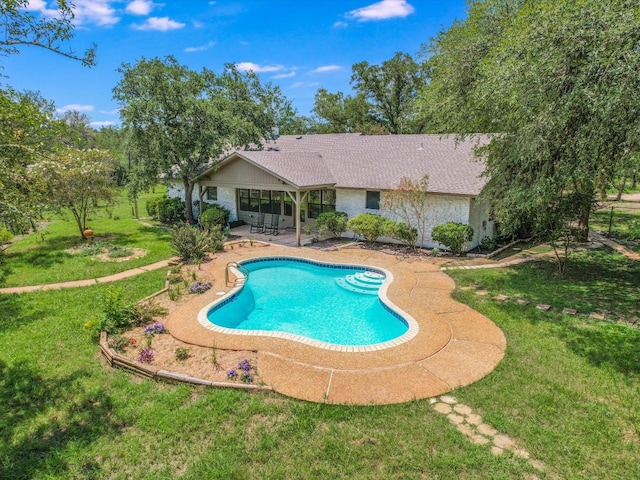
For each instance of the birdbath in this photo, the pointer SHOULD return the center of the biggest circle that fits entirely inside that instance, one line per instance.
(88, 234)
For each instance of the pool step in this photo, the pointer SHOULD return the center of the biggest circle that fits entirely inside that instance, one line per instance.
(362, 282)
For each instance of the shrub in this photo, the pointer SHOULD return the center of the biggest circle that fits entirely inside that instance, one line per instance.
(213, 216)
(402, 232)
(117, 313)
(488, 243)
(152, 207)
(633, 230)
(5, 236)
(192, 245)
(171, 210)
(368, 226)
(334, 222)
(453, 236)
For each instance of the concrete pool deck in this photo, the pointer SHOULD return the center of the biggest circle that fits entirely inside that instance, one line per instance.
(455, 345)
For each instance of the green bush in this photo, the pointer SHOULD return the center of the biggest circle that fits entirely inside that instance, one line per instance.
(152, 207)
(213, 216)
(368, 226)
(5, 236)
(402, 232)
(453, 236)
(633, 230)
(193, 245)
(171, 210)
(334, 222)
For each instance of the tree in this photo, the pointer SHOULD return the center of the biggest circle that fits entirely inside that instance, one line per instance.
(76, 180)
(27, 135)
(557, 82)
(409, 202)
(337, 113)
(181, 120)
(21, 26)
(391, 89)
(453, 235)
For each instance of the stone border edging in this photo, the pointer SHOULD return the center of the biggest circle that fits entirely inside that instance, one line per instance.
(155, 373)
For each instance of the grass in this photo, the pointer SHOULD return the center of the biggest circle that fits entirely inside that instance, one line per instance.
(568, 391)
(44, 257)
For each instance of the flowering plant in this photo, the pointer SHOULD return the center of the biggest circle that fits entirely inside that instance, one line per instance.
(145, 356)
(198, 287)
(245, 371)
(154, 328)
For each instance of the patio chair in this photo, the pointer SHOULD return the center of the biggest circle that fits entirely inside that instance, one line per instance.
(274, 227)
(259, 226)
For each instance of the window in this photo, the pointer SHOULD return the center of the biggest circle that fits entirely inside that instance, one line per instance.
(212, 193)
(373, 200)
(320, 201)
(249, 200)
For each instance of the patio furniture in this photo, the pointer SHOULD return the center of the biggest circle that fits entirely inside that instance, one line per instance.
(274, 227)
(259, 226)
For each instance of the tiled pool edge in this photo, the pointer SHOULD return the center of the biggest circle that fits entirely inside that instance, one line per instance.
(392, 308)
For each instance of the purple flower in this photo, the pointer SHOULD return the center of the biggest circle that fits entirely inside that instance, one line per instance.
(198, 287)
(232, 374)
(149, 330)
(146, 355)
(245, 366)
(158, 327)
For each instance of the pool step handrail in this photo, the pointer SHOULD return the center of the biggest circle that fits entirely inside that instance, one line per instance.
(238, 281)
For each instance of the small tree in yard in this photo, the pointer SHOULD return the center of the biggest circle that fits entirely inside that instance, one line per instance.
(77, 180)
(369, 226)
(193, 245)
(453, 236)
(409, 202)
(334, 222)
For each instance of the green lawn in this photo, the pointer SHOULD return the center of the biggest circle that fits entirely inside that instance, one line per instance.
(568, 391)
(43, 257)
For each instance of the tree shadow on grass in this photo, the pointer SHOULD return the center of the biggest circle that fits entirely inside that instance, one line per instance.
(606, 344)
(12, 312)
(41, 417)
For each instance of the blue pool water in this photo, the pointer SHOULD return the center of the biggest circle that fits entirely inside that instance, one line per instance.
(303, 298)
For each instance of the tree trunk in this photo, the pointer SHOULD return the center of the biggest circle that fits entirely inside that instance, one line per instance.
(583, 225)
(188, 197)
(621, 189)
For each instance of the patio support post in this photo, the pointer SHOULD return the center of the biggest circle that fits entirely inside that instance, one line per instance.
(200, 195)
(298, 202)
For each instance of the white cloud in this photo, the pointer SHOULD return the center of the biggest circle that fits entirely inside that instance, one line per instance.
(75, 107)
(382, 10)
(139, 7)
(327, 68)
(162, 24)
(115, 111)
(41, 6)
(340, 24)
(284, 75)
(201, 48)
(305, 84)
(99, 12)
(106, 123)
(249, 66)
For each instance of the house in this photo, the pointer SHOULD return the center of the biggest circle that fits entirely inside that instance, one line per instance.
(299, 177)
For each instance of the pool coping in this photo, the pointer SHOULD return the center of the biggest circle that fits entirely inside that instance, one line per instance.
(454, 346)
(395, 310)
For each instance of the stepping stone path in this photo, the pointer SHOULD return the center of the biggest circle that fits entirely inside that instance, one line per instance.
(472, 426)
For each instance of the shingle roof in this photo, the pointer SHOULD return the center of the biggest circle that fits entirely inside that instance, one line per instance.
(377, 162)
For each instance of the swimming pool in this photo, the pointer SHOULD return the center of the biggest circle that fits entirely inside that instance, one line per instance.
(304, 300)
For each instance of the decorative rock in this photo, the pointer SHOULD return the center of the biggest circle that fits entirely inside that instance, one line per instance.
(596, 316)
(479, 439)
(487, 430)
(474, 419)
(448, 399)
(455, 419)
(501, 298)
(543, 307)
(432, 401)
(522, 301)
(462, 409)
(496, 450)
(503, 441)
(569, 311)
(442, 408)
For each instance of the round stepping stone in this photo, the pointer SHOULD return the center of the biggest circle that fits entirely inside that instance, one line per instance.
(487, 430)
(479, 439)
(462, 409)
(503, 441)
(442, 408)
(474, 419)
(455, 419)
(521, 453)
(465, 429)
(448, 399)
(497, 450)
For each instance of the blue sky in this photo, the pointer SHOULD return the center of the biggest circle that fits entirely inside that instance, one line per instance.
(299, 45)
